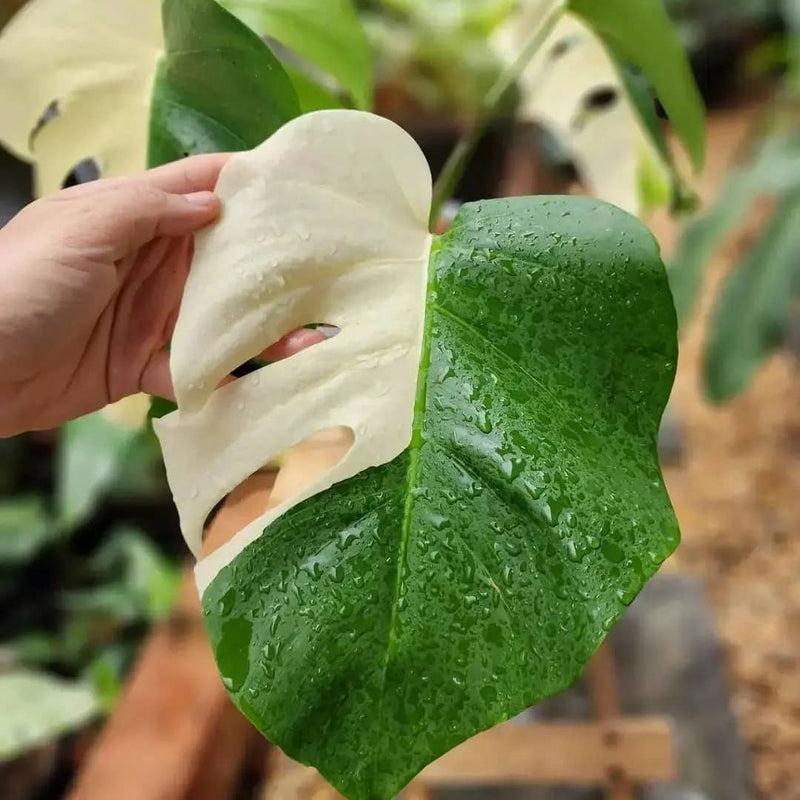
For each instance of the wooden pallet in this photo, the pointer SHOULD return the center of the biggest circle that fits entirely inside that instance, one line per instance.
(176, 735)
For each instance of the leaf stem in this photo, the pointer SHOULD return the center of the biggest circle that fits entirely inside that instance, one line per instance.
(464, 150)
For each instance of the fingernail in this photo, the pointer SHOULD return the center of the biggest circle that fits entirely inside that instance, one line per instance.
(201, 199)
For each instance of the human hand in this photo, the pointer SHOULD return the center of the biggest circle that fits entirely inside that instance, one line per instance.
(91, 280)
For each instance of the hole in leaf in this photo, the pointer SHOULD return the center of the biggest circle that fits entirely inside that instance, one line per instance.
(275, 484)
(288, 346)
(598, 101)
(602, 99)
(563, 46)
(84, 172)
(50, 113)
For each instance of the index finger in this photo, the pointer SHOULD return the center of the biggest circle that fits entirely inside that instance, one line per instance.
(191, 174)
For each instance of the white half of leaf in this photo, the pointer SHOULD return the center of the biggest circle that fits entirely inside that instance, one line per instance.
(324, 222)
(37, 708)
(98, 61)
(610, 145)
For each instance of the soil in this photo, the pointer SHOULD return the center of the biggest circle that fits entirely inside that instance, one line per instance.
(737, 495)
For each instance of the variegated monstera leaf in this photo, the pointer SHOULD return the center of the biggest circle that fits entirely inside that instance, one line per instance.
(132, 83)
(501, 501)
(579, 86)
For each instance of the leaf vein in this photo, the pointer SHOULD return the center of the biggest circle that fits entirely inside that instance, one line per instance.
(445, 312)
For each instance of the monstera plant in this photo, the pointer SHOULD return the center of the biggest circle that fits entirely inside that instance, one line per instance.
(501, 502)
(579, 86)
(127, 90)
(757, 309)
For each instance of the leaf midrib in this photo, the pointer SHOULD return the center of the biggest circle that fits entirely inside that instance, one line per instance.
(414, 449)
(411, 477)
(432, 307)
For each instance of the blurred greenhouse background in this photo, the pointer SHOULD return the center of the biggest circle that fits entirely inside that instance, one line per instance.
(90, 551)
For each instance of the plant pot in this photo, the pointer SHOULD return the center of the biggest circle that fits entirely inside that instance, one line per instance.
(483, 177)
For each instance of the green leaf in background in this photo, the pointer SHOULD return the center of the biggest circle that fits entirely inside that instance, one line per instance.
(136, 582)
(147, 576)
(218, 88)
(376, 625)
(24, 529)
(774, 169)
(159, 407)
(106, 675)
(311, 95)
(750, 320)
(36, 649)
(641, 32)
(467, 17)
(37, 708)
(682, 198)
(326, 33)
(91, 454)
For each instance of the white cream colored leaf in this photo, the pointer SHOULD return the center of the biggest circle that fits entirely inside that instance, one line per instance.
(611, 147)
(97, 60)
(324, 222)
(130, 413)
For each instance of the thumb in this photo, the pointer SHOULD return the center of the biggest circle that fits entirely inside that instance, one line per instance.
(186, 213)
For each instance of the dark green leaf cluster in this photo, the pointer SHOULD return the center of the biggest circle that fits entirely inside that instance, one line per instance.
(82, 566)
(759, 299)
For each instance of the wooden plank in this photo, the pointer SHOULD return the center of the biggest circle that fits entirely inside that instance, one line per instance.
(289, 780)
(571, 753)
(153, 746)
(601, 679)
(417, 790)
(542, 753)
(223, 758)
(175, 734)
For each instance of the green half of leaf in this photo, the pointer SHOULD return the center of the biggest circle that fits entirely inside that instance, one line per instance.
(218, 88)
(652, 188)
(379, 624)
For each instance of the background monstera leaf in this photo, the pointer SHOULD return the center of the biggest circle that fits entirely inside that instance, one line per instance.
(574, 89)
(218, 86)
(207, 81)
(96, 61)
(641, 33)
(578, 86)
(502, 501)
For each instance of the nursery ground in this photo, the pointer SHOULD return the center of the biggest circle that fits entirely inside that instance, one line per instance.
(737, 494)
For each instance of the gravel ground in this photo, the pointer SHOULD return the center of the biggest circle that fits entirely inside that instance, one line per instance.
(737, 495)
